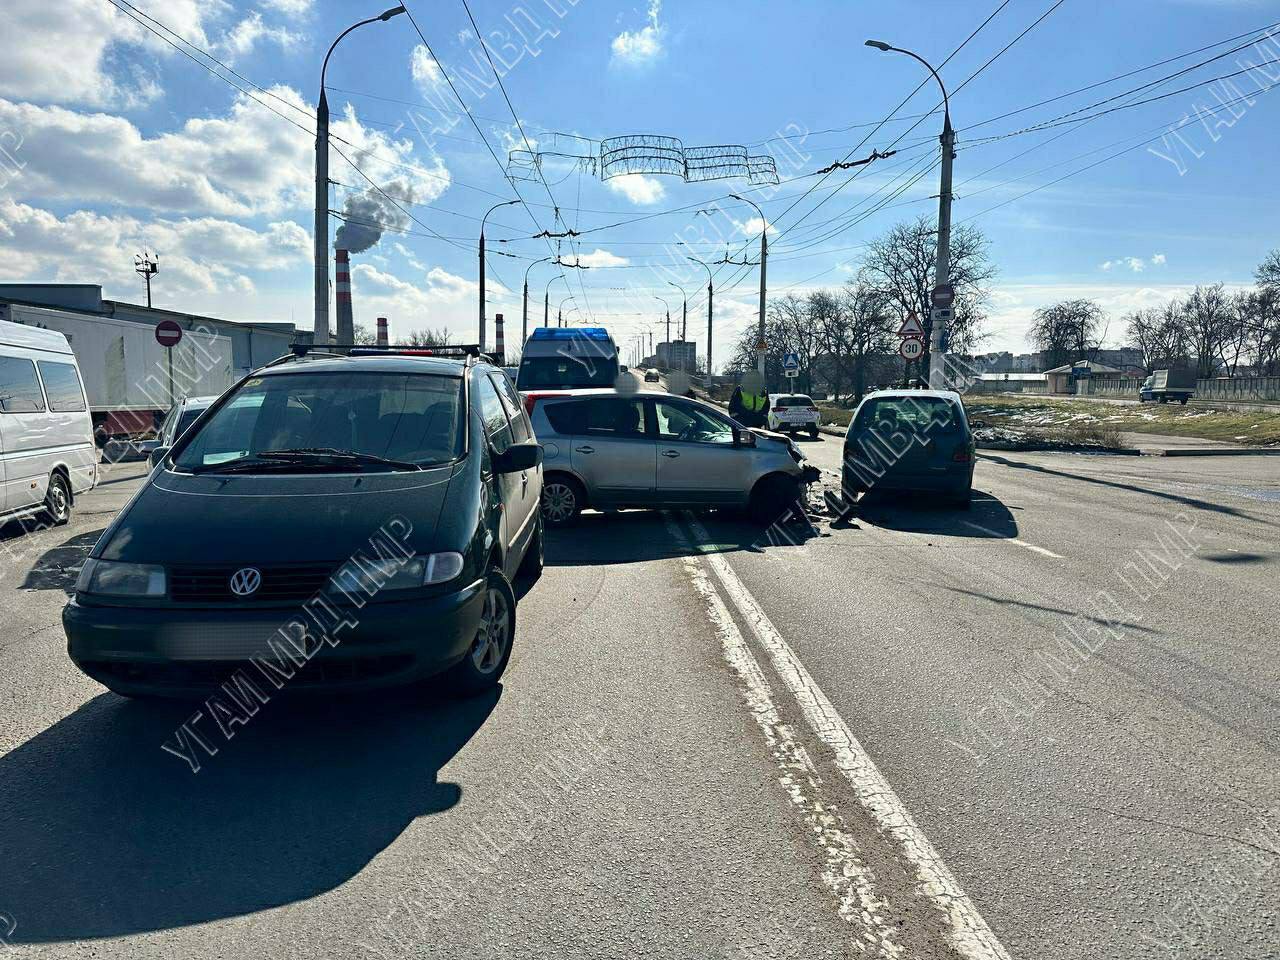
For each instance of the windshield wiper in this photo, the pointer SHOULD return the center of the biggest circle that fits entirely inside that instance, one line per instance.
(315, 454)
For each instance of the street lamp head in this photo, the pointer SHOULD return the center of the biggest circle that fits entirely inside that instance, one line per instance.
(879, 45)
(393, 12)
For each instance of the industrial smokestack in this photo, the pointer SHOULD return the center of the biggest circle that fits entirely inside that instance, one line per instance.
(499, 344)
(345, 331)
(383, 339)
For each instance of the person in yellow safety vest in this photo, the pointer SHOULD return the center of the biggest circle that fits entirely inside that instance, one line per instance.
(755, 408)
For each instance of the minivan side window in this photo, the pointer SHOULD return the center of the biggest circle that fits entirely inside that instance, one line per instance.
(19, 388)
(496, 426)
(511, 400)
(62, 387)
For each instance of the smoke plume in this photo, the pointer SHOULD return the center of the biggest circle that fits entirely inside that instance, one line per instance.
(366, 215)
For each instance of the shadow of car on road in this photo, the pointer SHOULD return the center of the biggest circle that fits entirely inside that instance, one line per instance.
(635, 536)
(987, 517)
(58, 567)
(107, 835)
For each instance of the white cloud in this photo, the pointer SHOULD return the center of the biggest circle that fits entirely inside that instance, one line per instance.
(1136, 264)
(240, 40)
(601, 258)
(424, 69)
(245, 163)
(197, 256)
(637, 188)
(1107, 265)
(1158, 260)
(637, 47)
(290, 8)
(752, 227)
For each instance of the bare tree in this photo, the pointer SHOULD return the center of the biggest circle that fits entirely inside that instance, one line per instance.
(364, 336)
(429, 337)
(1260, 317)
(900, 264)
(1268, 272)
(858, 325)
(1068, 331)
(1160, 335)
(1207, 317)
(792, 317)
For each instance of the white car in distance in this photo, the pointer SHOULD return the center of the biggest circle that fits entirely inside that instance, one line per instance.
(792, 412)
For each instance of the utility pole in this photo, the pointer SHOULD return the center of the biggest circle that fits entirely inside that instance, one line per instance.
(147, 266)
(321, 238)
(710, 294)
(761, 346)
(942, 265)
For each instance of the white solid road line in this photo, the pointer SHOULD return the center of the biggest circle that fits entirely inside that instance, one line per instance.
(969, 933)
(996, 535)
(845, 874)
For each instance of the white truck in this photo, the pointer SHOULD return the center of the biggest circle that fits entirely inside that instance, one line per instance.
(128, 376)
(1166, 385)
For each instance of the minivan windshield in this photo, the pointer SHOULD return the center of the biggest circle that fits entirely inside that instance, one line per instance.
(331, 422)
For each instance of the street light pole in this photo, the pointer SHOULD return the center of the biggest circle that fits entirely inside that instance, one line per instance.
(684, 321)
(764, 261)
(546, 296)
(710, 293)
(524, 323)
(942, 265)
(668, 306)
(505, 203)
(320, 240)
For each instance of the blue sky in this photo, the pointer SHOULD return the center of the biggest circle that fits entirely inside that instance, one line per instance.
(113, 138)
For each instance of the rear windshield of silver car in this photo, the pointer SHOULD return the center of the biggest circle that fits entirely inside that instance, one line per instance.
(412, 418)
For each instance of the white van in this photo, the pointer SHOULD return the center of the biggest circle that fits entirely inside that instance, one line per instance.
(568, 358)
(47, 453)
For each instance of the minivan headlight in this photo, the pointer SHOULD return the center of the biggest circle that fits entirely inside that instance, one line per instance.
(374, 576)
(114, 579)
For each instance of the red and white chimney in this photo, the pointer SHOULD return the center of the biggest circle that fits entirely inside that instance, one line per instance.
(383, 339)
(345, 332)
(499, 340)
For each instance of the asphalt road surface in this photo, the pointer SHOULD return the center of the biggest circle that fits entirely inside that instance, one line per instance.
(1045, 728)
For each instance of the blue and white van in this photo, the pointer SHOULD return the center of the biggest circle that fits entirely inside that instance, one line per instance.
(47, 453)
(567, 358)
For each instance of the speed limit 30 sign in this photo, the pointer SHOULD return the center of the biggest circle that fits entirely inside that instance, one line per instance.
(911, 348)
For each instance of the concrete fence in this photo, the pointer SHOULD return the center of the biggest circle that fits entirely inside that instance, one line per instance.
(1239, 388)
(1124, 387)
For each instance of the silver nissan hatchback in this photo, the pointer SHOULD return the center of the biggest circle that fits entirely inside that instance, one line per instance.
(604, 449)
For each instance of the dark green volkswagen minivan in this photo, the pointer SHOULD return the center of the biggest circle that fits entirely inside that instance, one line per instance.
(331, 521)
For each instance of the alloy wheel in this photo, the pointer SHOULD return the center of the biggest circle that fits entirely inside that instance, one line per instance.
(494, 634)
(558, 502)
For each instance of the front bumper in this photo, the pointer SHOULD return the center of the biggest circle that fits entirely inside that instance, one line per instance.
(184, 652)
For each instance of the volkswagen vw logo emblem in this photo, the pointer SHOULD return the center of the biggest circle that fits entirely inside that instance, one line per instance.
(246, 581)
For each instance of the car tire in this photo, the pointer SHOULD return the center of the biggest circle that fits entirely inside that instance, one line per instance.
(770, 498)
(1183, 401)
(963, 501)
(813, 431)
(534, 558)
(562, 500)
(490, 650)
(57, 501)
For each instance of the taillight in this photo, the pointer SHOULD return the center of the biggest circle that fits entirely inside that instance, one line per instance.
(962, 454)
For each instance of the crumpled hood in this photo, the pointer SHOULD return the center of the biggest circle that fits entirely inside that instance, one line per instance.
(296, 518)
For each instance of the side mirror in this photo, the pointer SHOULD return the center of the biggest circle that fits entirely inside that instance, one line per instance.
(977, 424)
(157, 454)
(623, 368)
(518, 457)
(744, 438)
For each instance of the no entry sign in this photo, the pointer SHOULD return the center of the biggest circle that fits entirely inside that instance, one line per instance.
(168, 333)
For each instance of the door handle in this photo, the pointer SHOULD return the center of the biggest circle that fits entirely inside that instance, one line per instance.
(672, 454)
(524, 482)
(585, 449)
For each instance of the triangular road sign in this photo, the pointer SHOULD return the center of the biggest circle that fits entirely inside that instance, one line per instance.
(911, 327)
